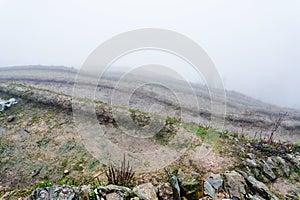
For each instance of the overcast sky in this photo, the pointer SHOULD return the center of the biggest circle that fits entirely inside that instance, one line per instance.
(254, 44)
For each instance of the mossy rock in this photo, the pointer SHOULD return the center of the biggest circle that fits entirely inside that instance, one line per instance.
(192, 189)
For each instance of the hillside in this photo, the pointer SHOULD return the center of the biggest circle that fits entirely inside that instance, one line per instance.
(176, 99)
(52, 138)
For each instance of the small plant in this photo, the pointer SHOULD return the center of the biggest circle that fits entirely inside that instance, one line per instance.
(121, 176)
(140, 118)
(201, 132)
(297, 144)
(44, 184)
(170, 120)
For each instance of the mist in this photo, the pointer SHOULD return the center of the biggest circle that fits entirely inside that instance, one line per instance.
(255, 45)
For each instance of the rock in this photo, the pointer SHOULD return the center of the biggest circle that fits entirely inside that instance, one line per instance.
(165, 191)
(176, 189)
(114, 196)
(41, 193)
(209, 190)
(267, 170)
(102, 191)
(145, 191)
(255, 197)
(260, 188)
(84, 192)
(251, 156)
(36, 172)
(55, 192)
(235, 184)
(251, 163)
(283, 166)
(271, 163)
(27, 131)
(195, 175)
(64, 193)
(216, 181)
(190, 187)
(10, 118)
(293, 160)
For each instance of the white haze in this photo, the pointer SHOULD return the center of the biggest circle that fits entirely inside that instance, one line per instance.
(254, 44)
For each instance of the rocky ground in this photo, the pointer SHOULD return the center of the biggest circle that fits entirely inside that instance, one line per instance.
(43, 156)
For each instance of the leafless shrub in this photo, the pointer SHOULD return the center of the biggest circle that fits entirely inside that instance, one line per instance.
(277, 124)
(121, 176)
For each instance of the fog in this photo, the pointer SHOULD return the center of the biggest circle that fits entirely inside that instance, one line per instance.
(254, 44)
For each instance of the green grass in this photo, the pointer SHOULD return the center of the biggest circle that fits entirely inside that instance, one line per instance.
(170, 120)
(66, 182)
(196, 129)
(44, 184)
